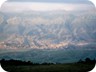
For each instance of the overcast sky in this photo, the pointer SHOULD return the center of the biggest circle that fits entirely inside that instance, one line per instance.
(45, 5)
(60, 1)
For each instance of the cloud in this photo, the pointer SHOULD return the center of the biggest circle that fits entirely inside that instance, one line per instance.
(55, 1)
(35, 6)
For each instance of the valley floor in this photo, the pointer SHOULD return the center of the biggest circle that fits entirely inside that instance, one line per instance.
(71, 67)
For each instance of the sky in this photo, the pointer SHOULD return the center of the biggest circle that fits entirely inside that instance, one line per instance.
(46, 5)
(59, 1)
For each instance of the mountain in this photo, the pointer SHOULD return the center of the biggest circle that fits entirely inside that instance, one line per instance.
(54, 36)
(47, 30)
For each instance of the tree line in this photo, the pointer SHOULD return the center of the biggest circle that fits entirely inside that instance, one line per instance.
(20, 62)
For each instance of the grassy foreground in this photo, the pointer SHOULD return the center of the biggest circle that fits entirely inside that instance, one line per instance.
(76, 67)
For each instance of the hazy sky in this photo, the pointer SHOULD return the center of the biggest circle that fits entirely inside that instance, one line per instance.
(45, 5)
(60, 1)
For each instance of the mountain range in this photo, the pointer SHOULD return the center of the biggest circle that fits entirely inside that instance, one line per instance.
(48, 36)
